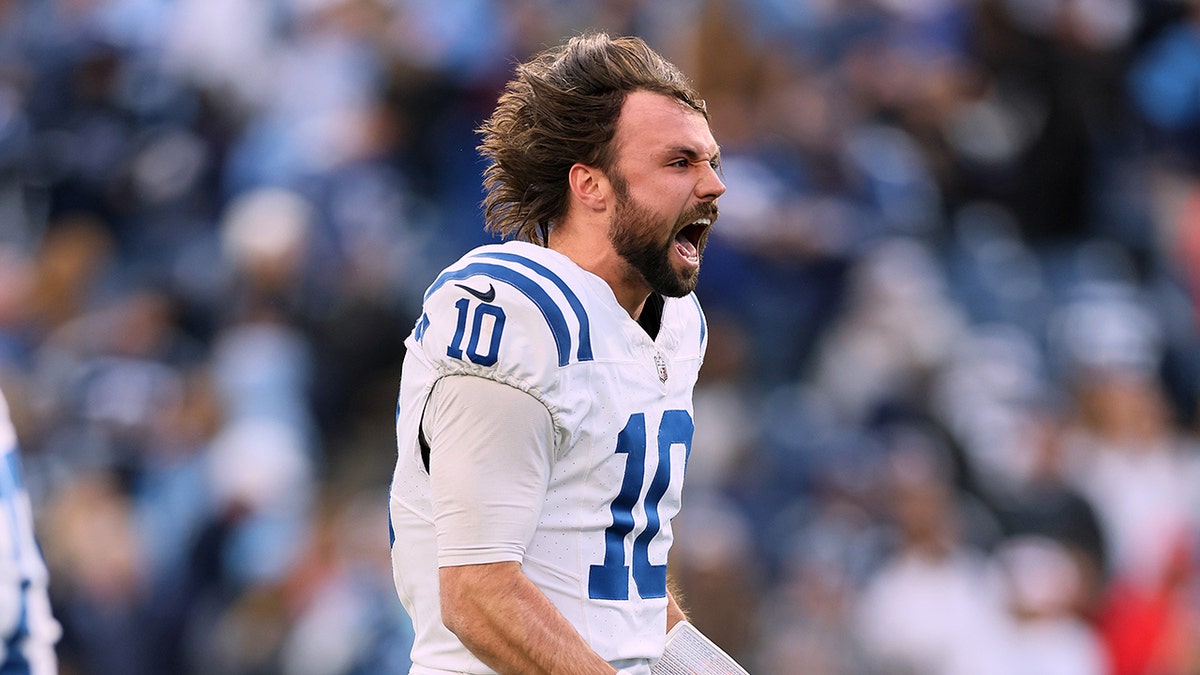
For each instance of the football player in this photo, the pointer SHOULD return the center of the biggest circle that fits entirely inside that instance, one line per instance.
(545, 412)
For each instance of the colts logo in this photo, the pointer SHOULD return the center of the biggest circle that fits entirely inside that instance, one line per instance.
(661, 363)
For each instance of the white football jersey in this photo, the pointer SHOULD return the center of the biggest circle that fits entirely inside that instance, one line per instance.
(621, 405)
(28, 630)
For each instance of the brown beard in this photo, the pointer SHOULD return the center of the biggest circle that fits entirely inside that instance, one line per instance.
(634, 235)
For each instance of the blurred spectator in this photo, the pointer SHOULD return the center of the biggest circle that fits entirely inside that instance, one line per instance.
(1123, 450)
(809, 625)
(936, 606)
(898, 327)
(345, 621)
(1163, 83)
(101, 594)
(1049, 636)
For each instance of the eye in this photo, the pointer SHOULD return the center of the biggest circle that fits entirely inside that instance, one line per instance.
(681, 163)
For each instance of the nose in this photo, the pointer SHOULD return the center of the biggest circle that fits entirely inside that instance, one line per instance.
(710, 185)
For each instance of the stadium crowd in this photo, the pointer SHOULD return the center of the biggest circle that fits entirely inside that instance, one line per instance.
(948, 420)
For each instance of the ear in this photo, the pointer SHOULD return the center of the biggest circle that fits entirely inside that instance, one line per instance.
(589, 186)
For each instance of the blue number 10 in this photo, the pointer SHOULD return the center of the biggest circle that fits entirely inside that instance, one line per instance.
(455, 348)
(610, 580)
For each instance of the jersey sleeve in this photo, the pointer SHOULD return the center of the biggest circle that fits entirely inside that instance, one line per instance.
(489, 466)
(507, 319)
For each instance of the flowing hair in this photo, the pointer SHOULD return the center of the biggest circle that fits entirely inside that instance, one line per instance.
(561, 107)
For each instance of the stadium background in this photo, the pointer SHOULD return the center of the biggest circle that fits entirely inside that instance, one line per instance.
(948, 417)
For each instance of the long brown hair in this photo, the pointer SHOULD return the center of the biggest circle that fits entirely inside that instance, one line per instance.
(560, 108)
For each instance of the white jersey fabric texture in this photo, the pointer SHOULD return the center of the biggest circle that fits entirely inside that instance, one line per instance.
(488, 473)
(620, 405)
(28, 631)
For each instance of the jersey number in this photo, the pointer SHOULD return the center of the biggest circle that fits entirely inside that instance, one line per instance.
(610, 580)
(482, 310)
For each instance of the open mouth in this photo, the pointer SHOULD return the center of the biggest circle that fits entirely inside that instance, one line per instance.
(690, 239)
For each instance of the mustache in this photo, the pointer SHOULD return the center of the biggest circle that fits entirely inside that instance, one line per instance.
(704, 210)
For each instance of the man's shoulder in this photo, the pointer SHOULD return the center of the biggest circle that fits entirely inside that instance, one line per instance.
(508, 300)
(686, 319)
(514, 263)
(524, 258)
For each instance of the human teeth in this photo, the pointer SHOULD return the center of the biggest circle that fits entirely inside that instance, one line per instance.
(702, 221)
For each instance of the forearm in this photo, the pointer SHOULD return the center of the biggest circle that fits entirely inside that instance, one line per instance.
(512, 626)
(675, 613)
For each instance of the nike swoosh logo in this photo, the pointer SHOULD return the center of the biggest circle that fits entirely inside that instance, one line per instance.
(487, 296)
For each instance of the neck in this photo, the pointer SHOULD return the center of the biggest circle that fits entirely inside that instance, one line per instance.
(599, 258)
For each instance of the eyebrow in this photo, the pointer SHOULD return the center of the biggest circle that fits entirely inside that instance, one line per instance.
(692, 154)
